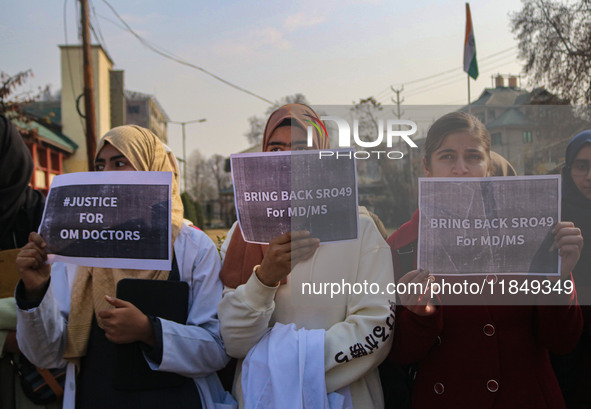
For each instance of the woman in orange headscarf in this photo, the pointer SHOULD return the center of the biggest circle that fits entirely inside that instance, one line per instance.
(263, 286)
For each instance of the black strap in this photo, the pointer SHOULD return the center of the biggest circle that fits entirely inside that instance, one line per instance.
(175, 274)
(407, 257)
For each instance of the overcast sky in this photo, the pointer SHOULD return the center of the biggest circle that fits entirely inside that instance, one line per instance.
(333, 52)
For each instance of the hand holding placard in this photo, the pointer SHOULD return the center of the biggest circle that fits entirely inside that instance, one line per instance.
(283, 253)
(421, 304)
(569, 242)
(32, 267)
(277, 192)
(496, 225)
(109, 219)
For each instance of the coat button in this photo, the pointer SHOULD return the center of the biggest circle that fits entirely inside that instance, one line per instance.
(438, 388)
(489, 330)
(492, 385)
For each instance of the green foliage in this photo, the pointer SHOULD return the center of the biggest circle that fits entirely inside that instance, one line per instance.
(192, 210)
(220, 242)
(199, 221)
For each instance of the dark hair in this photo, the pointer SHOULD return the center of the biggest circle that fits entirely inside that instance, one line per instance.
(289, 122)
(455, 122)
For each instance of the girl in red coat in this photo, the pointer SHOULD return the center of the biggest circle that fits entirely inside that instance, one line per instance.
(478, 356)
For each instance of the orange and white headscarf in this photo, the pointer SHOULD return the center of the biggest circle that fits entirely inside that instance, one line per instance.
(145, 152)
(241, 257)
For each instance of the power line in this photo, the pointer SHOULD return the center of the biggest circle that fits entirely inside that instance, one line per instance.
(382, 92)
(445, 84)
(498, 52)
(495, 67)
(456, 70)
(99, 38)
(454, 102)
(435, 85)
(460, 76)
(170, 56)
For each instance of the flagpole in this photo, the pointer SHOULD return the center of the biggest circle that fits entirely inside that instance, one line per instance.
(469, 107)
(470, 64)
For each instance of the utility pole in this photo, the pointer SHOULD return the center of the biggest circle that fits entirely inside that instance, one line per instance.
(184, 148)
(88, 87)
(408, 171)
(398, 101)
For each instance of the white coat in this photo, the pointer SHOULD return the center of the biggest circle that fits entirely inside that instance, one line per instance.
(358, 324)
(194, 350)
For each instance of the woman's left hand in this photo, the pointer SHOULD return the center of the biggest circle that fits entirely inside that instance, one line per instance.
(126, 323)
(569, 242)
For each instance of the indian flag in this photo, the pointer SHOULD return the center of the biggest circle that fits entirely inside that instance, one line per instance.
(470, 64)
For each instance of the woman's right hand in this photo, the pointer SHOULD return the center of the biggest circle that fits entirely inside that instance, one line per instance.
(283, 253)
(32, 267)
(413, 299)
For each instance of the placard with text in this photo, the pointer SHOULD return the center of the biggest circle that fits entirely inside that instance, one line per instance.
(496, 225)
(109, 219)
(278, 192)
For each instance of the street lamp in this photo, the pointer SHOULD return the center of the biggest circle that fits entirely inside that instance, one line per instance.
(184, 147)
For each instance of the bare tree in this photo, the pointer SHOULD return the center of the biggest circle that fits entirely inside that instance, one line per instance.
(385, 185)
(203, 185)
(13, 101)
(255, 133)
(555, 43)
(216, 166)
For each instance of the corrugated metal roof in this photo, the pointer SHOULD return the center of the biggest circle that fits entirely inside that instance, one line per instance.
(52, 138)
(500, 97)
(512, 117)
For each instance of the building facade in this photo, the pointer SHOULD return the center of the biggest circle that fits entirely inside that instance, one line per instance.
(144, 110)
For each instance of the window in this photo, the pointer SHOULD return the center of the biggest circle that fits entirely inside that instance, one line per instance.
(527, 137)
(496, 139)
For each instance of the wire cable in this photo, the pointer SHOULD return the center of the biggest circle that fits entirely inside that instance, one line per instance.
(170, 56)
(446, 84)
(458, 70)
(432, 86)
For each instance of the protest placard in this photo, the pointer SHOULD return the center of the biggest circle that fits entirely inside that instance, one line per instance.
(496, 225)
(109, 219)
(278, 192)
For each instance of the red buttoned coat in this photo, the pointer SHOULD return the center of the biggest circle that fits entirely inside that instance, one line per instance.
(482, 356)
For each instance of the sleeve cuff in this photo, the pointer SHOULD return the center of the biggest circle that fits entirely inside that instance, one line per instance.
(154, 354)
(258, 295)
(22, 302)
(427, 325)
